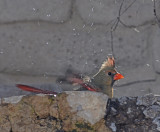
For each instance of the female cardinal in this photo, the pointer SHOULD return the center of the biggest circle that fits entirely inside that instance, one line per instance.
(101, 82)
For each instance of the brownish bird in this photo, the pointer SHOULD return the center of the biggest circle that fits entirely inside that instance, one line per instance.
(101, 82)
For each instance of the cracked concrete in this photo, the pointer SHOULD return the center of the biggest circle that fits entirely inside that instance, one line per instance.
(40, 41)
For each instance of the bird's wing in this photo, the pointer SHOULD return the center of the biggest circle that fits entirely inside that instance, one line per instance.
(83, 84)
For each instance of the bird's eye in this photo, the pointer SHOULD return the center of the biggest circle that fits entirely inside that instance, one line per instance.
(109, 73)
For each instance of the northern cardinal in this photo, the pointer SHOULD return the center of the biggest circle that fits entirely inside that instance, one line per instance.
(101, 82)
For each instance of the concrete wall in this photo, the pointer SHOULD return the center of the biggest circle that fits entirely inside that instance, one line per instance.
(40, 40)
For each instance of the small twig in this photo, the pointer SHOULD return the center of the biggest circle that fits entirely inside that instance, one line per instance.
(108, 108)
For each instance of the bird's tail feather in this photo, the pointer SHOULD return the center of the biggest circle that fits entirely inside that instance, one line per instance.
(33, 89)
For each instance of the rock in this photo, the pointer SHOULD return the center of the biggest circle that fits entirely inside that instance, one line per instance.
(157, 122)
(129, 116)
(123, 100)
(49, 113)
(146, 100)
(158, 99)
(80, 111)
(113, 127)
(90, 106)
(152, 111)
(12, 100)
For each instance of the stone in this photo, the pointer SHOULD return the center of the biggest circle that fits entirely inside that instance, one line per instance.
(146, 100)
(89, 105)
(113, 127)
(157, 122)
(12, 100)
(152, 111)
(29, 10)
(123, 100)
(66, 111)
(158, 99)
(49, 113)
(131, 117)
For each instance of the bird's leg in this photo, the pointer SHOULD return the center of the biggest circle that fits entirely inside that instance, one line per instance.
(108, 107)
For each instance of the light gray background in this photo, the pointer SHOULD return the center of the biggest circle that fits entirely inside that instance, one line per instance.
(40, 40)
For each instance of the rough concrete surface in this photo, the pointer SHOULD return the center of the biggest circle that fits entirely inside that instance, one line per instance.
(24, 10)
(40, 40)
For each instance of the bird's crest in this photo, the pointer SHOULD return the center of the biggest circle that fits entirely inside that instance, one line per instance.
(108, 63)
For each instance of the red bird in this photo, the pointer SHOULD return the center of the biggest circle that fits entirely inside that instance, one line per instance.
(101, 82)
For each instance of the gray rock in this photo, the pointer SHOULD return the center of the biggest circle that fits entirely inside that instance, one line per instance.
(113, 127)
(129, 111)
(91, 106)
(12, 100)
(146, 100)
(152, 111)
(130, 117)
(158, 99)
(123, 100)
(157, 122)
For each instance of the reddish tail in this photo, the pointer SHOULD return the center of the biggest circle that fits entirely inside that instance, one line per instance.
(35, 90)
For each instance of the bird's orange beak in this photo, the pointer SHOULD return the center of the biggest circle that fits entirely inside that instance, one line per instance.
(118, 76)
